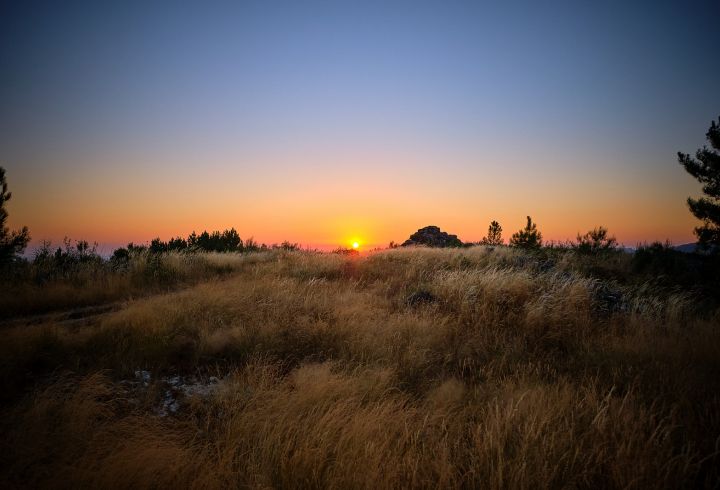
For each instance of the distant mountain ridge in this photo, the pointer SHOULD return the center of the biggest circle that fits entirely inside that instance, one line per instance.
(694, 248)
(686, 248)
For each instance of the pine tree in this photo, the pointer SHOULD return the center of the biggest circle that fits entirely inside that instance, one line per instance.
(494, 235)
(706, 168)
(529, 237)
(12, 243)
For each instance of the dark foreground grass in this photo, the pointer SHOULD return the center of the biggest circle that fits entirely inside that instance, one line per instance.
(406, 368)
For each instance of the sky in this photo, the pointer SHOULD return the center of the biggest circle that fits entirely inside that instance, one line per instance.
(325, 123)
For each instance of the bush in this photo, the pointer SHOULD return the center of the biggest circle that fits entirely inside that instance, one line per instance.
(528, 238)
(494, 235)
(76, 262)
(287, 246)
(661, 264)
(595, 242)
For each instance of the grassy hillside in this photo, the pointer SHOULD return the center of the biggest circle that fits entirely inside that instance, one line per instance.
(480, 367)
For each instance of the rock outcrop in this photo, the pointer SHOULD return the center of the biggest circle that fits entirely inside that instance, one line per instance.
(431, 236)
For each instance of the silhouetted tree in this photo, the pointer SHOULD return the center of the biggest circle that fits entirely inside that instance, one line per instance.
(12, 243)
(227, 241)
(158, 246)
(120, 255)
(494, 235)
(177, 243)
(595, 241)
(528, 237)
(136, 249)
(231, 241)
(174, 244)
(706, 168)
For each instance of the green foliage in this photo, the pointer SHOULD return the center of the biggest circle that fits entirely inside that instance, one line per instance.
(494, 235)
(595, 242)
(528, 238)
(706, 168)
(12, 243)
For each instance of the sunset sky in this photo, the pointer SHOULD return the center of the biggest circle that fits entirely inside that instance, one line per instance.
(329, 122)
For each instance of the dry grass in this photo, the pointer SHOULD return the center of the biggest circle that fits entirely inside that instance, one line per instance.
(508, 373)
(98, 281)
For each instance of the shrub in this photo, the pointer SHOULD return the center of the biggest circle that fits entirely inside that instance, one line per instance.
(287, 246)
(494, 235)
(251, 245)
(528, 238)
(595, 241)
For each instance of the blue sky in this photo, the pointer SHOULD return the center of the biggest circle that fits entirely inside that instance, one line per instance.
(457, 112)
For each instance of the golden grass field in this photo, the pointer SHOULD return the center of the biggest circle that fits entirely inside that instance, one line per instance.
(405, 368)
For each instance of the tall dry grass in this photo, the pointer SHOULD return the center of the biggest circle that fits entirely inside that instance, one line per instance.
(35, 290)
(400, 369)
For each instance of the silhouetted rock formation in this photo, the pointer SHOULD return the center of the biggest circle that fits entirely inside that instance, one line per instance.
(431, 236)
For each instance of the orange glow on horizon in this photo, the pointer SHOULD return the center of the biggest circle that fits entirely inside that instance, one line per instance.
(112, 206)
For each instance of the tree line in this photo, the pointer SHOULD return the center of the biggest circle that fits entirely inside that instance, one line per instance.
(593, 242)
(215, 241)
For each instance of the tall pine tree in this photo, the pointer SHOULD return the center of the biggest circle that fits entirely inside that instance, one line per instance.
(706, 168)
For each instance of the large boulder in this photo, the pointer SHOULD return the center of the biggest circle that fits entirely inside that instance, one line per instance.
(431, 236)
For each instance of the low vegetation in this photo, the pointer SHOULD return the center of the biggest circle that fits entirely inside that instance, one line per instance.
(213, 362)
(411, 367)
(75, 276)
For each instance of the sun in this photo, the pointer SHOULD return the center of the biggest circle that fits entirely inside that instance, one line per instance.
(356, 245)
